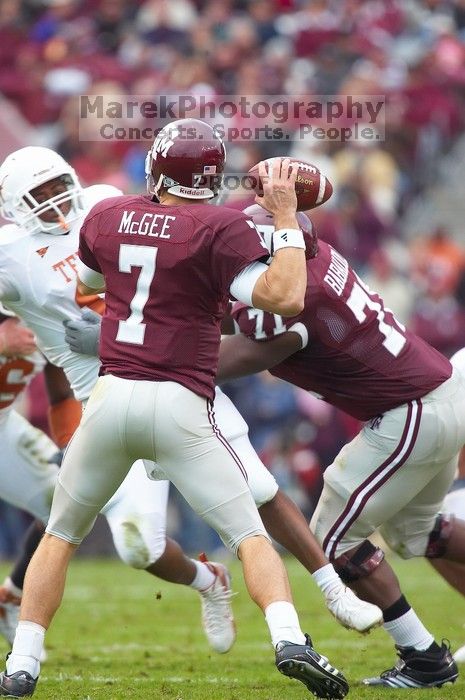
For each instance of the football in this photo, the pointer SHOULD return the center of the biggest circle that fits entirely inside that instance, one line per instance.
(312, 187)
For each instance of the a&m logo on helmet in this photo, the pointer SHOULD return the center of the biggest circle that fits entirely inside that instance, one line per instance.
(164, 141)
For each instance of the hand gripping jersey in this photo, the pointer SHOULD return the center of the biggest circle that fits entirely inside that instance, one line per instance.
(168, 270)
(356, 355)
(38, 283)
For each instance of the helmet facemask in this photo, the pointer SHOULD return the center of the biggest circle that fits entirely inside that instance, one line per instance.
(26, 210)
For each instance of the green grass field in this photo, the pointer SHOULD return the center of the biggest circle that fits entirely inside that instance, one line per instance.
(123, 635)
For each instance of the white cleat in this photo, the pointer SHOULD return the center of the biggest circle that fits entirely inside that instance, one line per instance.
(217, 614)
(352, 612)
(9, 617)
(459, 656)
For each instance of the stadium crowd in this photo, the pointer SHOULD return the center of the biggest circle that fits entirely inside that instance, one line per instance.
(411, 51)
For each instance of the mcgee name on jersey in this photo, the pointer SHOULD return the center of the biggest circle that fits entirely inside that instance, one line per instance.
(149, 224)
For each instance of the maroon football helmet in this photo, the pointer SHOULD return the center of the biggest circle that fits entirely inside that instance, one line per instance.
(263, 220)
(187, 160)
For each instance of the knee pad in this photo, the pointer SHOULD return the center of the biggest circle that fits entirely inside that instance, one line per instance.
(263, 489)
(262, 483)
(140, 540)
(439, 536)
(360, 564)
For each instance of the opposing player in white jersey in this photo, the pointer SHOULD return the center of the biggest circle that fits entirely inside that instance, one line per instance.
(41, 194)
(27, 472)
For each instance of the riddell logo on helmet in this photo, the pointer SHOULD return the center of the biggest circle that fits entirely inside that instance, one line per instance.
(188, 190)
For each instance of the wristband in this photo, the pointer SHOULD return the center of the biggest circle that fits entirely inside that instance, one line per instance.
(288, 238)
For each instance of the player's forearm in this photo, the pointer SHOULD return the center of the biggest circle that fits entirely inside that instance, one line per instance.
(240, 356)
(281, 289)
(286, 218)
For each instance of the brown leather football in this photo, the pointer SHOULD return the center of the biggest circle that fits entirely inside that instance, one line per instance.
(312, 187)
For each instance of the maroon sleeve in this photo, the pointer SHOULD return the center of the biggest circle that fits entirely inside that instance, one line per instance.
(89, 229)
(85, 242)
(236, 245)
(260, 325)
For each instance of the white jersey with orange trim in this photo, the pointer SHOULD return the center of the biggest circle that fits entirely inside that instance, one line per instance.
(27, 476)
(38, 283)
(15, 375)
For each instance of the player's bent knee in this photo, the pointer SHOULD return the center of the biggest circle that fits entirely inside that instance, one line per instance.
(262, 484)
(360, 563)
(264, 490)
(139, 540)
(235, 520)
(69, 519)
(439, 536)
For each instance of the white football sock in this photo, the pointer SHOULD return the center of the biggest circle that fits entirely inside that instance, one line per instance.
(283, 623)
(203, 578)
(326, 578)
(27, 648)
(408, 631)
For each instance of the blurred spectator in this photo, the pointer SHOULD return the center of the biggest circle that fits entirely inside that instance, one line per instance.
(394, 288)
(437, 262)
(440, 320)
(437, 265)
(267, 404)
(375, 173)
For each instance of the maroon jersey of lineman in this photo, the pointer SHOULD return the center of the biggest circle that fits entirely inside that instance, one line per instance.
(358, 356)
(167, 271)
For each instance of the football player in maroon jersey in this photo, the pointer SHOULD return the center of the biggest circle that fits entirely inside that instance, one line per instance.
(352, 352)
(168, 268)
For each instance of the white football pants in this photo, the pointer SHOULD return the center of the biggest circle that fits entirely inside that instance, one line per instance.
(27, 478)
(126, 420)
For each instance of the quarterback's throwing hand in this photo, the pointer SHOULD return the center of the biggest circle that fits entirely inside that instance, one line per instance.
(278, 178)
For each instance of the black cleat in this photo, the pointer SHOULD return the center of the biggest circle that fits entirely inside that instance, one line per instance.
(19, 685)
(432, 668)
(302, 662)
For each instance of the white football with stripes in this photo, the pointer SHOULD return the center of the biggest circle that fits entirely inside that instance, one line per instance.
(312, 187)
